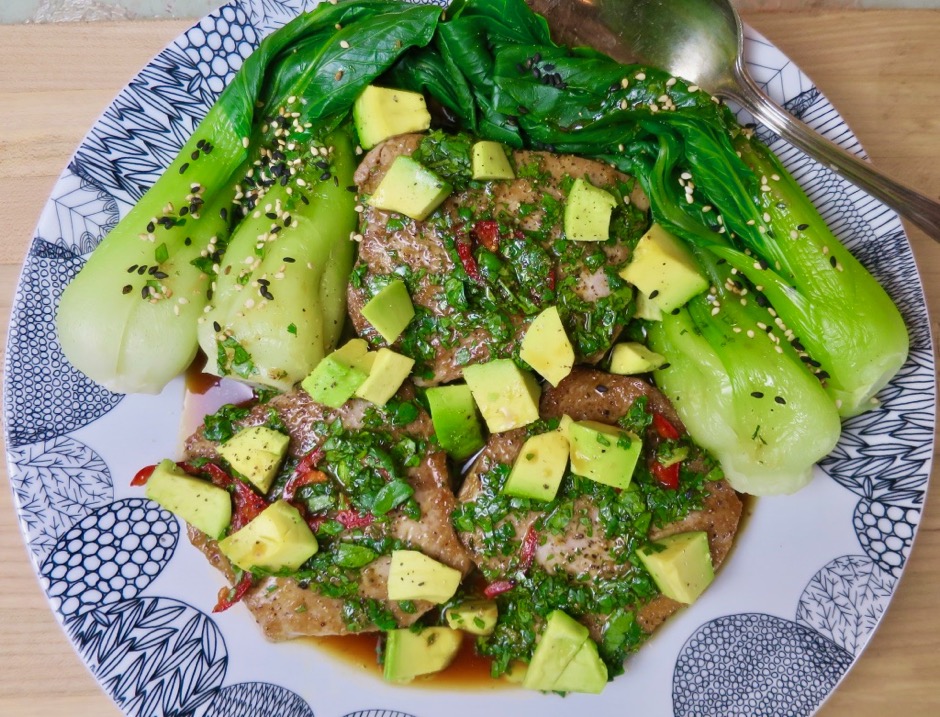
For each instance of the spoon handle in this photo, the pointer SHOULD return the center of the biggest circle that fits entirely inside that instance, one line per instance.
(921, 210)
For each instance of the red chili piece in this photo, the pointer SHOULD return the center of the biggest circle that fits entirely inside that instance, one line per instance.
(529, 543)
(486, 232)
(305, 473)
(664, 428)
(497, 588)
(230, 596)
(143, 475)
(351, 519)
(465, 253)
(551, 279)
(668, 476)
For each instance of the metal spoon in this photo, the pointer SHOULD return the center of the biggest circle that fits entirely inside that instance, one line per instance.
(702, 41)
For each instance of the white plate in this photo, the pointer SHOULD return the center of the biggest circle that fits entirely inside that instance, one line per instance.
(787, 617)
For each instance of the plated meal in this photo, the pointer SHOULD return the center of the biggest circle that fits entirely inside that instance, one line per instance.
(523, 328)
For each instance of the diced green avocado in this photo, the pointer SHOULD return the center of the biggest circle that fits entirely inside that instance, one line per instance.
(587, 212)
(539, 468)
(390, 310)
(489, 161)
(603, 453)
(478, 617)
(415, 576)
(563, 423)
(387, 373)
(204, 506)
(256, 452)
(664, 270)
(557, 646)
(277, 539)
(353, 352)
(381, 112)
(585, 673)
(507, 396)
(454, 415)
(410, 189)
(333, 381)
(647, 308)
(546, 348)
(410, 654)
(683, 568)
(632, 357)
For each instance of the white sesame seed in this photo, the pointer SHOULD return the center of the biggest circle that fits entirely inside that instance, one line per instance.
(344, 44)
(750, 333)
(624, 83)
(766, 217)
(693, 88)
(640, 76)
(686, 175)
(794, 234)
(670, 82)
(623, 104)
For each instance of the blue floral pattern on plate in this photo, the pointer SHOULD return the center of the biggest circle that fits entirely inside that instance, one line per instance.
(111, 562)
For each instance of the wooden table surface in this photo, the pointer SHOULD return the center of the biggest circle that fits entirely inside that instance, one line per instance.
(880, 68)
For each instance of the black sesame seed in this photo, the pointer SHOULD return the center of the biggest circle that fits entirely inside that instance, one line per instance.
(195, 155)
(184, 167)
(781, 400)
(142, 269)
(763, 263)
(223, 214)
(188, 241)
(322, 164)
(284, 180)
(152, 270)
(757, 394)
(184, 211)
(326, 175)
(797, 345)
(287, 220)
(217, 326)
(201, 143)
(208, 148)
(674, 312)
(160, 275)
(127, 289)
(833, 261)
(265, 293)
(803, 227)
(271, 215)
(664, 366)
(335, 181)
(132, 268)
(654, 293)
(289, 259)
(352, 188)
(303, 198)
(601, 388)
(548, 67)
(276, 230)
(145, 292)
(823, 374)
(264, 282)
(150, 227)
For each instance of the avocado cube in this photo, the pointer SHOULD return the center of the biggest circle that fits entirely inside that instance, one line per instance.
(647, 308)
(415, 576)
(454, 415)
(546, 348)
(387, 372)
(585, 673)
(381, 112)
(339, 374)
(587, 212)
(390, 310)
(488, 160)
(277, 539)
(507, 396)
(410, 654)
(410, 189)
(200, 503)
(478, 617)
(683, 568)
(557, 646)
(632, 357)
(539, 468)
(256, 453)
(603, 453)
(664, 270)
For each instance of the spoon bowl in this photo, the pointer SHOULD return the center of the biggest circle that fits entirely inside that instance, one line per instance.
(702, 41)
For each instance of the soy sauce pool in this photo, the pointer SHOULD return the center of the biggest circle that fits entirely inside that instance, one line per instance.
(468, 671)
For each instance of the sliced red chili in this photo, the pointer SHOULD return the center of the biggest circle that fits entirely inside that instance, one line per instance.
(529, 543)
(352, 519)
(305, 473)
(143, 475)
(664, 428)
(232, 595)
(497, 588)
(667, 476)
(551, 278)
(465, 252)
(486, 232)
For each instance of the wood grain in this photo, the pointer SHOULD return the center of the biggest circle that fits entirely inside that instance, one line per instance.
(878, 67)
